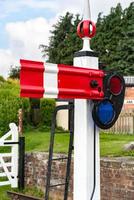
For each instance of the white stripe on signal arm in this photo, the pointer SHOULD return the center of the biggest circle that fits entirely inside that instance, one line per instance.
(50, 80)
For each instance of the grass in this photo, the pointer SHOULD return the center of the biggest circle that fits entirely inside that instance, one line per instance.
(39, 141)
(29, 191)
(3, 194)
(110, 144)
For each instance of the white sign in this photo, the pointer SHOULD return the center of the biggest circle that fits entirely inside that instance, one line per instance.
(129, 101)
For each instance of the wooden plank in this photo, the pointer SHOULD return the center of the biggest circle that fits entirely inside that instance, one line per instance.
(3, 174)
(5, 155)
(8, 164)
(2, 183)
(124, 124)
(22, 196)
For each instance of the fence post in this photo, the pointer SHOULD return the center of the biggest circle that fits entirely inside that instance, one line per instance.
(133, 122)
(21, 163)
(20, 122)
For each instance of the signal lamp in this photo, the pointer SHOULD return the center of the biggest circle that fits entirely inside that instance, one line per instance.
(115, 85)
(106, 112)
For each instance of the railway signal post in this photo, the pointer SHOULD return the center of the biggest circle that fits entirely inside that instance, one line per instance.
(86, 135)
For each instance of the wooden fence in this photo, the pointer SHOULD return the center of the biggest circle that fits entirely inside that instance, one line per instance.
(124, 124)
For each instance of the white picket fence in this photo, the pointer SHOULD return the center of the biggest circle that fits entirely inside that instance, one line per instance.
(9, 161)
(124, 124)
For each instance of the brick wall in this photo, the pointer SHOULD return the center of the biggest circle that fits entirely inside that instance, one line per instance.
(35, 174)
(129, 92)
(117, 179)
(129, 95)
(117, 176)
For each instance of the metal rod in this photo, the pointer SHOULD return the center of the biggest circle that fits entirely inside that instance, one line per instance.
(57, 185)
(71, 127)
(64, 158)
(87, 11)
(53, 126)
(21, 163)
(11, 143)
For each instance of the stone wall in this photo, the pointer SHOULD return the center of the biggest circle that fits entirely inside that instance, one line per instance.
(117, 176)
(36, 169)
(117, 179)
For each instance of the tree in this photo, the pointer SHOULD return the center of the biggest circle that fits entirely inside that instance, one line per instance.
(125, 48)
(14, 72)
(109, 30)
(114, 39)
(63, 41)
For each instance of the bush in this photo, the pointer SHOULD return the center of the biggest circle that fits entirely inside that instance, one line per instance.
(47, 108)
(8, 111)
(2, 80)
(10, 103)
(9, 107)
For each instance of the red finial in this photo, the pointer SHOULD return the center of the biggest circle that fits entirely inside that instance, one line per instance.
(86, 28)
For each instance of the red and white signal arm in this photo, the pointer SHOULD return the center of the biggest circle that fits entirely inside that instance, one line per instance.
(46, 80)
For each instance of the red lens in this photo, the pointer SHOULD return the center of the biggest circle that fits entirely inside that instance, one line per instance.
(115, 85)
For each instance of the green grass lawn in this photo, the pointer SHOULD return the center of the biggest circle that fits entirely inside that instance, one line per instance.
(39, 141)
(3, 194)
(110, 144)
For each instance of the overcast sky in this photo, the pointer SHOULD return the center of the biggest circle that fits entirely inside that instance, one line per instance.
(25, 24)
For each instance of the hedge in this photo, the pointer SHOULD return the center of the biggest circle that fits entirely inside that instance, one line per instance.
(47, 107)
(9, 106)
(10, 103)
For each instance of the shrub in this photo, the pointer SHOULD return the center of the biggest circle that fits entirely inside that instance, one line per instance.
(2, 80)
(9, 107)
(10, 104)
(47, 108)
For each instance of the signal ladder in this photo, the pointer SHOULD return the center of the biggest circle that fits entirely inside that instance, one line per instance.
(70, 108)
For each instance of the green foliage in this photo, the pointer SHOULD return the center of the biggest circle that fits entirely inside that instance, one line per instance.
(10, 102)
(125, 48)
(47, 107)
(8, 110)
(34, 113)
(2, 80)
(64, 41)
(14, 72)
(114, 40)
(40, 112)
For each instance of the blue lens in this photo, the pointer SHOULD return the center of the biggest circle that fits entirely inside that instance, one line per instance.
(105, 112)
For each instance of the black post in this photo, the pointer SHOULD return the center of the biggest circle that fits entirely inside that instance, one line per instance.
(21, 163)
(71, 129)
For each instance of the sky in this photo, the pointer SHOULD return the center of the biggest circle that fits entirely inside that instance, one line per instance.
(25, 24)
